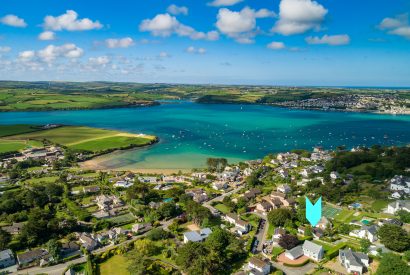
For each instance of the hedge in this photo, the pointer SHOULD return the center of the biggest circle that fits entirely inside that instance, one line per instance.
(297, 265)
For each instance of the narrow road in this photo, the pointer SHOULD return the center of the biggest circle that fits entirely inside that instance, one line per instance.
(60, 268)
(221, 197)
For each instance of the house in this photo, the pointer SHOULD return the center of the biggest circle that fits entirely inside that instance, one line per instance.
(323, 223)
(197, 236)
(91, 189)
(197, 194)
(294, 253)
(283, 173)
(6, 258)
(141, 227)
(366, 232)
(301, 230)
(70, 248)
(88, 242)
(257, 266)
(31, 256)
(393, 207)
(398, 194)
(400, 183)
(219, 185)
(152, 180)
(241, 226)
(334, 175)
(284, 188)
(123, 184)
(247, 172)
(106, 202)
(354, 262)
(278, 233)
(264, 206)
(14, 229)
(312, 250)
(252, 193)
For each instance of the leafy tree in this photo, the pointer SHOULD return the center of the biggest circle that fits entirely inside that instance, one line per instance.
(392, 264)
(253, 180)
(5, 238)
(288, 241)
(404, 216)
(195, 258)
(146, 247)
(141, 264)
(406, 255)
(364, 245)
(53, 247)
(158, 234)
(394, 237)
(197, 213)
(278, 217)
(168, 210)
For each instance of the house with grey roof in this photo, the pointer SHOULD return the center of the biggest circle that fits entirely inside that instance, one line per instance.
(6, 258)
(354, 262)
(258, 266)
(312, 250)
(197, 236)
(294, 253)
(398, 205)
(366, 232)
(29, 257)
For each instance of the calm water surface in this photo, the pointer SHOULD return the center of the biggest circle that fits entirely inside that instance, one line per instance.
(190, 132)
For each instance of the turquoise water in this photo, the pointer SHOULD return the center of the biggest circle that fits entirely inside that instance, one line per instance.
(190, 132)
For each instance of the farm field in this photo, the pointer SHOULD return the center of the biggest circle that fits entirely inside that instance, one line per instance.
(80, 138)
(10, 130)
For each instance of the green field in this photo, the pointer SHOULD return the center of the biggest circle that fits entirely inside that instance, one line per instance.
(115, 265)
(127, 218)
(11, 130)
(221, 207)
(7, 145)
(80, 138)
(330, 212)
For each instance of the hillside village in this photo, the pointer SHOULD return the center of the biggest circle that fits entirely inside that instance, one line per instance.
(58, 217)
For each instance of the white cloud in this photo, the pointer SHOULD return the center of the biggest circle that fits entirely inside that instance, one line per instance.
(26, 55)
(333, 40)
(13, 21)
(47, 35)
(119, 43)
(194, 50)
(164, 55)
(4, 49)
(175, 10)
(241, 25)
(299, 16)
(69, 21)
(165, 25)
(276, 46)
(221, 3)
(51, 52)
(398, 25)
(99, 61)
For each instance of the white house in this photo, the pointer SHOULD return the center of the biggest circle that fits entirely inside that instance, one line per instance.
(284, 188)
(123, 184)
(312, 250)
(219, 185)
(241, 226)
(354, 262)
(366, 232)
(393, 207)
(258, 266)
(294, 253)
(334, 175)
(247, 172)
(197, 236)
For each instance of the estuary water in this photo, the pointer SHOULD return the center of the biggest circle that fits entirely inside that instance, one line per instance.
(189, 132)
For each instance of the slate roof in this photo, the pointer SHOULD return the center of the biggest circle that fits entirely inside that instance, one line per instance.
(315, 248)
(354, 258)
(296, 252)
(6, 255)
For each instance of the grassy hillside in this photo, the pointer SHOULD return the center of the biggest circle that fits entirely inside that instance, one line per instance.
(10, 130)
(78, 138)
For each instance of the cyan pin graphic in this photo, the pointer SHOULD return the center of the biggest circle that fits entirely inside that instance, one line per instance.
(314, 212)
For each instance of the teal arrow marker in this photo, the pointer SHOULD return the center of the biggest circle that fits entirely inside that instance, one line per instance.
(314, 212)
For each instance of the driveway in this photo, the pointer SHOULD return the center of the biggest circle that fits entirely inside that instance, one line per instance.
(294, 270)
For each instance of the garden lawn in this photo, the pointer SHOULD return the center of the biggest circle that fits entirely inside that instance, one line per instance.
(122, 219)
(222, 207)
(115, 265)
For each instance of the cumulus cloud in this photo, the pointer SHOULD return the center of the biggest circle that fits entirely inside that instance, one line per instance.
(176, 10)
(99, 61)
(119, 43)
(299, 16)
(194, 50)
(26, 55)
(398, 25)
(47, 35)
(276, 46)
(164, 55)
(333, 40)
(165, 25)
(221, 3)
(69, 21)
(240, 25)
(4, 49)
(51, 52)
(13, 21)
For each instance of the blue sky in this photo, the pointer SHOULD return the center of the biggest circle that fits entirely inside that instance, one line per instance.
(280, 42)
